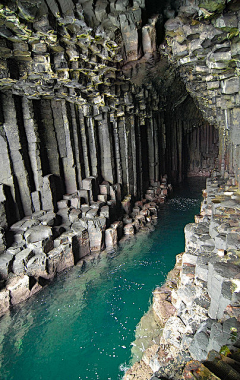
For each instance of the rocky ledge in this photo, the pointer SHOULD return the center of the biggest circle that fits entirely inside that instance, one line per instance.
(65, 231)
(197, 310)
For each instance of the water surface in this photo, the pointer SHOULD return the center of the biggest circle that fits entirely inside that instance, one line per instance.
(82, 325)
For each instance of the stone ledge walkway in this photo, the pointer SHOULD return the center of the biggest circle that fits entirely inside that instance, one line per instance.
(198, 308)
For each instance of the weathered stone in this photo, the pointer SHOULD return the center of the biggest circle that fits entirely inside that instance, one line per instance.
(21, 260)
(63, 203)
(37, 233)
(19, 288)
(102, 198)
(90, 185)
(95, 230)
(201, 270)
(92, 213)
(218, 273)
(44, 245)
(36, 200)
(49, 193)
(24, 225)
(59, 259)
(104, 188)
(129, 229)
(63, 213)
(162, 307)
(126, 204)
(111, 238)
(84, 196)
(48, 219)
(230, 86)
(139, 370)
(118, 226)
(105, 212)
(4, 301)
(74, 215)
(85, 208)
(81, 247)
(37, 266)
(198, 347)
(6, 261)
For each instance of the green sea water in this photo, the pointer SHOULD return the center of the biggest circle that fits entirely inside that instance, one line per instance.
(82, 325)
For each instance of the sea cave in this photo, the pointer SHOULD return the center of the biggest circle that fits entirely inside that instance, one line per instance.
(107, 106)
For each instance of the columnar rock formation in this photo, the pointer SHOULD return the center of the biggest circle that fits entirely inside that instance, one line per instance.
(68, 110)
(197, 310)
(99, 99)
(92, 114)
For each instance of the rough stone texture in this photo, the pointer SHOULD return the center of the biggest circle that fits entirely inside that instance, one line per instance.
(198, 306)
(5, 301)
(48, 242)
(59, 259)
(19, 289)
(93, 92)
(72, 117)
(21, 260)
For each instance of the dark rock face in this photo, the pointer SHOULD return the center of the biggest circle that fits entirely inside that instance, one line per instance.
(96, 106)
(98, 100)
(198, 306)
(69, 111)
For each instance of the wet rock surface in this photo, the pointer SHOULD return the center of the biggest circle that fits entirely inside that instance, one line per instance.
(47, 242)
(85, 92)
(98, 100)
(198, 306)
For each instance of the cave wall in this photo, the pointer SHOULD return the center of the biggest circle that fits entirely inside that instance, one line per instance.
(86, 90)
(202, 42)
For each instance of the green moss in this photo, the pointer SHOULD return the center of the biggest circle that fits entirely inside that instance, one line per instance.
(82, 36)
(233, 33)
(225, 351)
(99, 39)
(212, 5)
(111, 45)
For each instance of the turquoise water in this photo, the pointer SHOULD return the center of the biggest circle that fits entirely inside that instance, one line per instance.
(82, 325)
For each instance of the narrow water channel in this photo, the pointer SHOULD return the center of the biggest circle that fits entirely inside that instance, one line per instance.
(82, 326)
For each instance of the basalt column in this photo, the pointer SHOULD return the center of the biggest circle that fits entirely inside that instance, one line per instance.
(16, 160)
(87, 93)
(191, 143)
